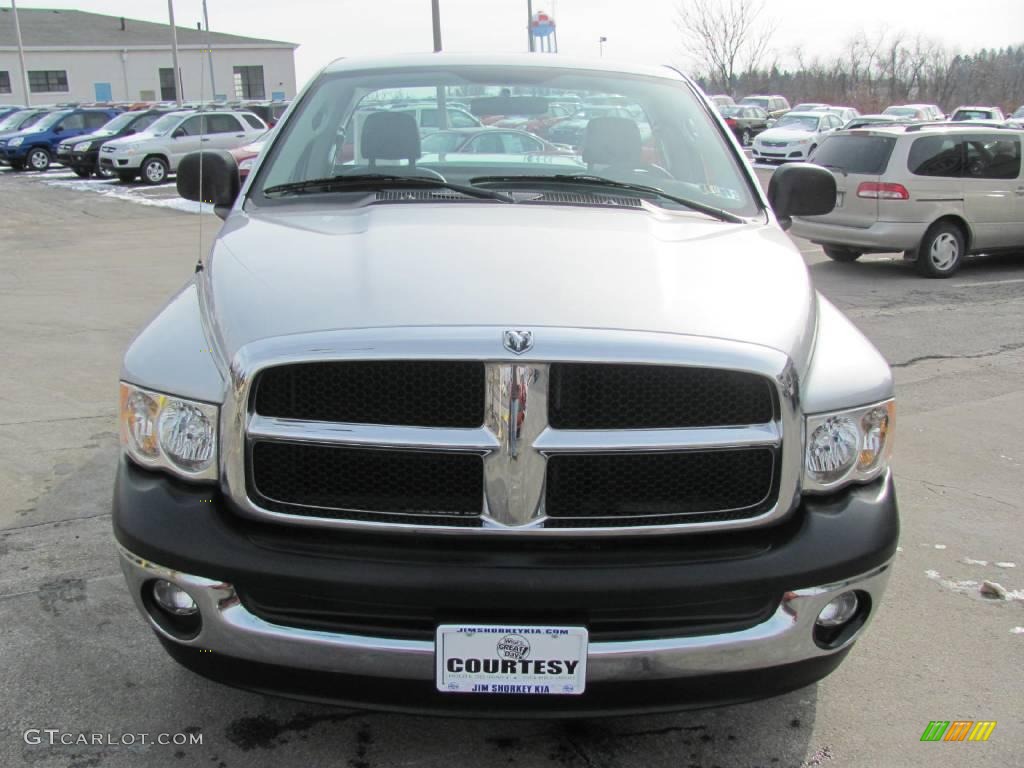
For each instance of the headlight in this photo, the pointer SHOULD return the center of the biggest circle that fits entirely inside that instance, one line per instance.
(171, 433)
(848, 446)
(801, 141)
(15, 142)
(82, 146)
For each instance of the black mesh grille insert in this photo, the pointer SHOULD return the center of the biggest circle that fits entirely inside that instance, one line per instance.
(604, 396)
(315, 479)
(672, 487)
(416, 393)
(418, 619)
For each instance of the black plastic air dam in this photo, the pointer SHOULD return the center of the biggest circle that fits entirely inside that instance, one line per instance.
(191, 528)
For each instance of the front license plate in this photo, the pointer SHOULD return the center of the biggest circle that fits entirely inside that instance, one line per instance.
(511, 659)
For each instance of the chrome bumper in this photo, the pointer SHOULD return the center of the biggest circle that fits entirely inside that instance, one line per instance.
(229, 629)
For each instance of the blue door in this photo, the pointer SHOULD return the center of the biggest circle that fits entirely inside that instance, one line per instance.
(103, 92)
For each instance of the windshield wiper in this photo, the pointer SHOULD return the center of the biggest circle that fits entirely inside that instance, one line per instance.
(586, 179)
(371, 181)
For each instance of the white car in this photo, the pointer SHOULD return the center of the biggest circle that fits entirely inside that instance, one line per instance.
(155, 152)
(428, 122)
(994, 114)
(794, 137)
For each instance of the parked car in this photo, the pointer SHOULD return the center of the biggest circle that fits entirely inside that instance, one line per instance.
(572, 131)
(428, 118)
(36, 146)
(746, 122)
(495, 141)
(794, 137)
(864, 121)
(722, 100)
(810, 106)
(268, 111)
(935, 192)
(845, 114)
(1017, 118)
(917, 112)
(82, 153)
(538, 125)
(591, 438)
(977, 113)
(155, 153)
(246, 156)
(775, 106)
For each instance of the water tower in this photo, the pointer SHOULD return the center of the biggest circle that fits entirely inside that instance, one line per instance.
(543, 34)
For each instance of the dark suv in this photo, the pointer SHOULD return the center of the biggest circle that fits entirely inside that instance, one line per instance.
(82, 153)
(35, 147)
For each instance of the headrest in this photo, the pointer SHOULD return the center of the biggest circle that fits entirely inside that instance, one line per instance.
(391, 136)
(612, 141)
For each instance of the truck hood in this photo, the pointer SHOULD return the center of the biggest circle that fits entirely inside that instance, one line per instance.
(300, 269)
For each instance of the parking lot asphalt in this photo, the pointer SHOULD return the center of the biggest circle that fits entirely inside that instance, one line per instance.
(80, 272)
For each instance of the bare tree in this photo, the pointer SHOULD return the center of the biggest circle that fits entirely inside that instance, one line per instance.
(727, 37)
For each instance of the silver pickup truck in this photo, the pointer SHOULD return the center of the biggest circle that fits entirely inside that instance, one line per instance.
(505, 433)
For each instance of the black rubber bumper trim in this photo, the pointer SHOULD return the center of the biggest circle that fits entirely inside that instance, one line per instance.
(421, 697)
(190, 528)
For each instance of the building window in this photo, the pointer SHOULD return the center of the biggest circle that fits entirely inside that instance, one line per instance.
(5, 82)
(48, 81)
(168, 92)
(249, 83)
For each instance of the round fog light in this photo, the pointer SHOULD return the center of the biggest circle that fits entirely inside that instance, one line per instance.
(839, 611)
(173, 599)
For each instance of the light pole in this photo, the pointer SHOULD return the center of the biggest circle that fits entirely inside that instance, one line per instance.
(174, 54)
(209, 52)
(529, 28)
(21, 55)
(435, 10)
(600, 43)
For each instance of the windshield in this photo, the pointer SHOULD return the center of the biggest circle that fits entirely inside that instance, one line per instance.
(755, 101)
(971, 114)
(20, 119)
(731, 111)
(633, 129)
(798, 123)
(1019, 112)
(115, 125)
(164, 125)
(48, 121)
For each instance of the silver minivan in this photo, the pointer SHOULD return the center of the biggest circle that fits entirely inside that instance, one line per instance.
(935, 192)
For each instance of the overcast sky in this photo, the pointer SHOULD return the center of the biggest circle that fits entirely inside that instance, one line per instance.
(638, 30)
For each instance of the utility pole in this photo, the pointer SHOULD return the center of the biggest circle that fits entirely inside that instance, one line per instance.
(174, 54)
(209, 52)
(435, 9)
(21, 55)
(529, 28)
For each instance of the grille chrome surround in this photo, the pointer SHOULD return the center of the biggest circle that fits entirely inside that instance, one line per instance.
(514, 460)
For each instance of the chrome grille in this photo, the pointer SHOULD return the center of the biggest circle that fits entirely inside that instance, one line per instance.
(552, 455)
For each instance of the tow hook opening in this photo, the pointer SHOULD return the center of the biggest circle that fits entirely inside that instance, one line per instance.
(841, 619)
(172, 609)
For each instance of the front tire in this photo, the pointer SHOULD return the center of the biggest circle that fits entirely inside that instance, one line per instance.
(941, 251)
(39, 159)
(154, 171)
(840, 254)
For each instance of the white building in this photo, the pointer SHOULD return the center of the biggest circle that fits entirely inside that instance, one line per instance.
(74, 56)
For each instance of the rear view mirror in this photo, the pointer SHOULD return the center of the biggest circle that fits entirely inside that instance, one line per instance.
(210, 176)
(801, 189)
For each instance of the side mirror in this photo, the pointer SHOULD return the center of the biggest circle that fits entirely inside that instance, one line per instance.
(211, 176)
(58, 129)
(129, 132)
(178, 133)
(800, 189)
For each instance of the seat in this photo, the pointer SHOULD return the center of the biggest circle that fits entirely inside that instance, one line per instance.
(613, 141)
(390, 136)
